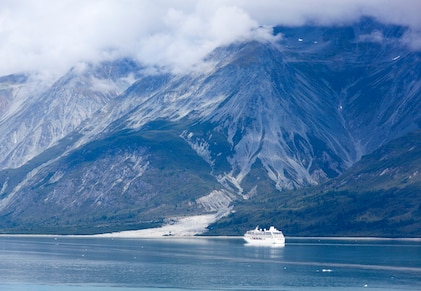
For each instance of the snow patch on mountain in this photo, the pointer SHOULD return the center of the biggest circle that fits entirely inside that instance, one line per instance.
(56, 177)
(199, 145)
(217, 200)
(231, 183)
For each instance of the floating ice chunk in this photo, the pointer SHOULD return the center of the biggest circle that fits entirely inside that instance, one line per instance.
(385, 171)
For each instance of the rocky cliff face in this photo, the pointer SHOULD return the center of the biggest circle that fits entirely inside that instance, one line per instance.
(111, 145)
(37, 118)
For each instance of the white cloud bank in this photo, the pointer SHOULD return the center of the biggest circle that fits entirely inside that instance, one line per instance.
(52, 36)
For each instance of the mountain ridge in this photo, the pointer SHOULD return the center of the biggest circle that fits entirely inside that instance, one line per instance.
(111, 146)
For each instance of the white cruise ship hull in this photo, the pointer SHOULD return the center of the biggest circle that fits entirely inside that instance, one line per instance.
(265, 242)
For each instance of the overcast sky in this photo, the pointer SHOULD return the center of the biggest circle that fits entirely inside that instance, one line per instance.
(53, 35)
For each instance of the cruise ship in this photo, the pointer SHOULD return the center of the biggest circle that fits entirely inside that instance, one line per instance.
(270, 236)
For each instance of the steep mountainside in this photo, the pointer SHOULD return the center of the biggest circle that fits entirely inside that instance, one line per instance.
(35, 120)
(110, 146)
(378, 196)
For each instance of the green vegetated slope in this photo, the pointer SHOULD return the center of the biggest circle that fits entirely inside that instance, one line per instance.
(130, 180)
(378, 196)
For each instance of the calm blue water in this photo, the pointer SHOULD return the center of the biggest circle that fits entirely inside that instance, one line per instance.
(66, 263)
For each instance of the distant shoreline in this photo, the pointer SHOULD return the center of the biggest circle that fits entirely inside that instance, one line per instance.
(108, 235)
(354, 238)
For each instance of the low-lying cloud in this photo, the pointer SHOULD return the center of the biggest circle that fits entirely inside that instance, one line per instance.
(51, 36)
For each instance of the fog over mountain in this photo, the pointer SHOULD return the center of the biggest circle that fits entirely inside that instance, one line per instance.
(52, 36)
(119, 115)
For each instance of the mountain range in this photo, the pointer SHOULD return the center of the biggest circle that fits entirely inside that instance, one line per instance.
(116, 146)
